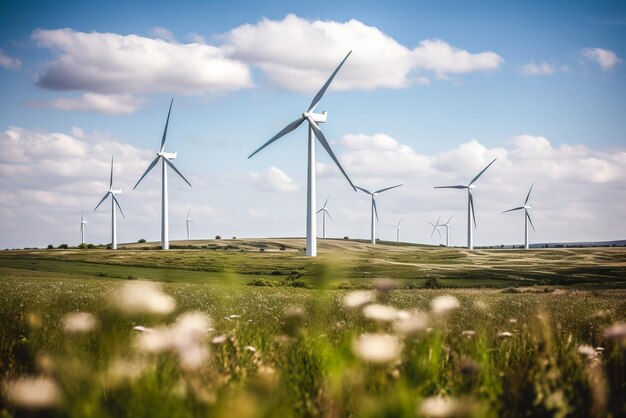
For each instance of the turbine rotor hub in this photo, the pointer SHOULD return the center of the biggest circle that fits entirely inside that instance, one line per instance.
(316, 117)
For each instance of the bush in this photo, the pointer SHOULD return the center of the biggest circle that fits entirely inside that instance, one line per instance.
(261, 282)
(283, 248)
(82, 246)
(64, 246)
(218, 237)
(234, 237)
(50, 246)
(299, 283)
(510, 290)
(432, 283)
(262, 250)
(91, 246)
(346, 237)
(141, 241)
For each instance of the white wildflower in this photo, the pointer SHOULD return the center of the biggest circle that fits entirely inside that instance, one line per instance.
(33, 392)
(586, 351)
(380, 313)
(141, 328)
(359, 298)
(469, 333)
(439, 407)
(412, 324)
(443, 305)
(250, 349)
(143, 297)
(220, 339)
(504, 334)
(235, 316)
(377, 348)
(616, 332)
(79, 323)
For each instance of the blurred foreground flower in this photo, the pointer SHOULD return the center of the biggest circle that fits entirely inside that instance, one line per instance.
(377, 348)
(616, 332)
(380, 313)
(586, 351)
(411, 324)
(79, 323)
(440, 407)
(143, 298)
(443, 305)
(359, 298)
(33, 392)
(504, 334)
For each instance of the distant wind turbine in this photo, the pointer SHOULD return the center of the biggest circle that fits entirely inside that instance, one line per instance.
(112, 192)
(83, 224)
(436, 227)
(527, 219)
(314, 131)
(447, 226)
(374, 210)
(165, 158)
(188, 223)
(325, 212)
(397, 226)
(470, 204)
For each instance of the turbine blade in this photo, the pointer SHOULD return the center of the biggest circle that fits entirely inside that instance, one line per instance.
(320, 137)
(388, 188)
(188, 212)
(459, 186)
(320, 93)
(433, 231)
(375, 209)
(363, 190)
(102, 200)
(293, 125)
(150, 167)
(399, 222)
(328, 213)
(471, 199)
(510, 210)
(438, 219)
(167, 122)
(175, 169)
(449, 219)
(111, 179)
(439, 233)
(320, 210)
(118, 205)
(531, 221)
(325, 203)
(528, 195)
(481, 173)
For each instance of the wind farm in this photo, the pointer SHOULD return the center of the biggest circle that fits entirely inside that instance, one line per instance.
(293, 282)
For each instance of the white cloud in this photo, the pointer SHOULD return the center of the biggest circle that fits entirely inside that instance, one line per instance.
(542, 68)
(196, 38)
(8, 62)
(121, 66)
(163, 33)
(605, 58)
(309, 50)
(108, 104)
(273, 180)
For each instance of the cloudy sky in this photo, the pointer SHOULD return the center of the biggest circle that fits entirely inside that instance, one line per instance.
(432, 92)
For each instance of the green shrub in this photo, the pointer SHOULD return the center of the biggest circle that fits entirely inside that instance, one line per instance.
(261, 283)
(432, 283)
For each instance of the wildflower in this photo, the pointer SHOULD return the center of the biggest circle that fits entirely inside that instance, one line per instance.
(616, 332)
(142, 297)
(359, 298)
(141, 328)
(469, 333)
(439, 407)
(504, 334)
(586, 351)
(250, 349)
(294, 321)
(79, 323)
(384, 285)
(412, 324)
(235, 316)
(443, 305)
(220, 339)
(380, 313)
(377, 348)
(33, 392)
(513, 321)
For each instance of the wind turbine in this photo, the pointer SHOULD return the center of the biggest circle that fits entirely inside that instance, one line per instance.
(112, 192)
(397, 226)
(325, 212)
(83, 222)
(436, 227)
(188, 222)
(447, 226)
(165, 158)
(374, 210)
(314, 131)
(470, 204)
(527, 219)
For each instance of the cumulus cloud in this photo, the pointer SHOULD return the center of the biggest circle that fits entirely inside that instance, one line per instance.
(8, 62)
(605, 58)
(273, 180)
(309, 50)
(163, 33)
(542, 68)
(108, 104)
(113, 70)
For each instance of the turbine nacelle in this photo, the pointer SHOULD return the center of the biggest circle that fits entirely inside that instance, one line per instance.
(527, 207)
(316, 117)
(168, 155)
(471, 186)
(115, 191)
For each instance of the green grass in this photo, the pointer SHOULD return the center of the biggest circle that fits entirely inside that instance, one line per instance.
(304, 363)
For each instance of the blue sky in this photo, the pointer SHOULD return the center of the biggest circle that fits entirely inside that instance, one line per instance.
(433, 91)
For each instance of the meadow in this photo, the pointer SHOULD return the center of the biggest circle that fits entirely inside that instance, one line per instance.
(252, 328)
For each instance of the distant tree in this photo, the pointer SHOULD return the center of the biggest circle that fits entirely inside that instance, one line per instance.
(50, 246)
(218, 237)
(82, 246)
(64, 246)
(141, 241)
(234, 237)
(91, 246)
(346, 237)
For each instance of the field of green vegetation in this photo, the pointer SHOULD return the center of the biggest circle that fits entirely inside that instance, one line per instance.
(252, 328)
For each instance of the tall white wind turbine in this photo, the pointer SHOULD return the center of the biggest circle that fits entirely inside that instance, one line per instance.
(188, 223)
(314, 131)
(165, 158)
(83, 224)
(470, 204)
(374, 209)
(436, 227)
(397, 226)
(325, 212)
(112, 192)
(527, 219)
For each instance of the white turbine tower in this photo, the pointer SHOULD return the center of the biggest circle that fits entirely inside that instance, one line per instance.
(436, 227)
(325, 212)
(470, 204)
(374, 209)
(112, 192)
(314, 131)
(83, 223)
(527, 219)
(165, 158)
(188, 223)
(397, 226)
(447, 226)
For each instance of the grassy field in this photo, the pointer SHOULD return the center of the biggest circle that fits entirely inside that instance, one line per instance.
(392, 330)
